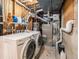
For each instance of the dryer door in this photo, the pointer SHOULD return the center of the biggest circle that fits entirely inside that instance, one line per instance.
(29, 50)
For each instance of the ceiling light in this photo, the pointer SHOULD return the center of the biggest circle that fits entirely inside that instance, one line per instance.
(27, 0)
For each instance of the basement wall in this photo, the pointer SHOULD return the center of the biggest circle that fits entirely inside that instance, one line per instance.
(71, 40)
(8, 8)
(68, 10)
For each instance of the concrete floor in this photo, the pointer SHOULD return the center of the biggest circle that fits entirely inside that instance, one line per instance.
(48, 53)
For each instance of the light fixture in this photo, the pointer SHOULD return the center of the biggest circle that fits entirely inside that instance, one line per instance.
(30, 0)
(26, 1)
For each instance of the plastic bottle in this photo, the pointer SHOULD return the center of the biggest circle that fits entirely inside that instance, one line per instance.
(62, 55)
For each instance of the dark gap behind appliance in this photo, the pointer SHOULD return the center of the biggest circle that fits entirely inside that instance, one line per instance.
(1, 19)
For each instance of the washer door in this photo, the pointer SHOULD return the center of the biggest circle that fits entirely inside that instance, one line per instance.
(29, 50)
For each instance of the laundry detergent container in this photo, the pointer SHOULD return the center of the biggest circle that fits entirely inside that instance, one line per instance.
(15, 19)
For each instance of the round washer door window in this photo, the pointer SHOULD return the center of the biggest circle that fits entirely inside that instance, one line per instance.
(29, 50)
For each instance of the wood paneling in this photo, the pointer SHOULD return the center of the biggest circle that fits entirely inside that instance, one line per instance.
(18, 10)
(8, 8)
(68, 10)
(71, 40)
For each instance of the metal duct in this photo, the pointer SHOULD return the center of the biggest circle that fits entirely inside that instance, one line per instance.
(53, 5)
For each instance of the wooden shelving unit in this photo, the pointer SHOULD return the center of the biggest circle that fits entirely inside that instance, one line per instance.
(15, 8)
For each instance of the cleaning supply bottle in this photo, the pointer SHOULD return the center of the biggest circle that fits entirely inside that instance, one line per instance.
(62, 55)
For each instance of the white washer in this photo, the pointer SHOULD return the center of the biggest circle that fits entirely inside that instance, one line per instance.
(26, 49)
(21, 46)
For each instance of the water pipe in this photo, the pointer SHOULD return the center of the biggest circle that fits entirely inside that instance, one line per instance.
(67, 29)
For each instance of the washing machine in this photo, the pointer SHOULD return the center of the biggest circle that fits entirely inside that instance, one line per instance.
(31, 47)
(36, 36)
(21, 45)
(26, 48)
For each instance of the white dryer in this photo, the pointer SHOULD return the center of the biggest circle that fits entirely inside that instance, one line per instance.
(21, 46)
